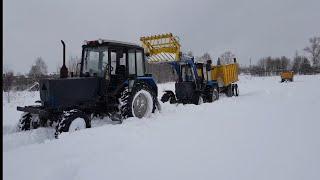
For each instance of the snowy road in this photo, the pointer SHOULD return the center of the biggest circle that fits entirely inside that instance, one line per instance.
(271, 131)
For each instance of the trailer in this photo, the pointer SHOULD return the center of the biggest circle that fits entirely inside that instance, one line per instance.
(286, 76)
(227, 75)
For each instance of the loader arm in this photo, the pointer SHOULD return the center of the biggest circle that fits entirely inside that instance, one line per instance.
(162, 48)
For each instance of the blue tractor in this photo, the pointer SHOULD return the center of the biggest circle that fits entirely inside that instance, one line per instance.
(194, 84)
(111, 81)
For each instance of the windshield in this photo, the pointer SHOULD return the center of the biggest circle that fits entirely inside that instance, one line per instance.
(95, 61)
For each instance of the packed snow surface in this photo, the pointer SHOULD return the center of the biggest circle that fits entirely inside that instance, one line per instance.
(271, 131)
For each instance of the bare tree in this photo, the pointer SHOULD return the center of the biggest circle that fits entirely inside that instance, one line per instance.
(206, 56)
(38, 69)
(190, 53)
(314, 50)
(227, 57)
(273, 66)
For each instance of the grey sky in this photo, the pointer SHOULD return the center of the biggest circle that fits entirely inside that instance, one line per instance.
(249, 28)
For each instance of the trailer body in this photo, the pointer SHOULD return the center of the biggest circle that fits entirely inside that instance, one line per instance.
(286, 76)
(225, 74)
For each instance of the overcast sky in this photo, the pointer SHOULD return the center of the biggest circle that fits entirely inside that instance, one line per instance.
(249, 28)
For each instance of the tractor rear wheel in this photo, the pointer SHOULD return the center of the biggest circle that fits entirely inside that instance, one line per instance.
(140, 102)
(71, 121)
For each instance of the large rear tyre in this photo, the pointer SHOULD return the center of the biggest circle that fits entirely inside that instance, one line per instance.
(140, 102)
(71, 121)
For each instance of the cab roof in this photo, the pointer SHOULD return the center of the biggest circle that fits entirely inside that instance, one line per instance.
(105, 42)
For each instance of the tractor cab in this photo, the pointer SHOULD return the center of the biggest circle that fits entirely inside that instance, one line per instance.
(113, 61)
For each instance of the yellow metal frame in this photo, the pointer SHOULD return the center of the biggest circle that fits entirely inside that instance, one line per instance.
(162, 47)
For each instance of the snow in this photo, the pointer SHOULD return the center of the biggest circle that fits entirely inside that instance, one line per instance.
(271, 131)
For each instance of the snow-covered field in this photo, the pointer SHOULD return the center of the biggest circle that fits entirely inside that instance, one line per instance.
(271, 131)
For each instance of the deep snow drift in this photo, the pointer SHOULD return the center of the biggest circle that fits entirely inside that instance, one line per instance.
(271, 131)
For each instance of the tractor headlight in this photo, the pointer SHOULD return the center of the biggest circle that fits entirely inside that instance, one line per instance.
(100, 41)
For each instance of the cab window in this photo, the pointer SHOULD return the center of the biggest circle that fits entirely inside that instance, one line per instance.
(96, 59)
(140, 63)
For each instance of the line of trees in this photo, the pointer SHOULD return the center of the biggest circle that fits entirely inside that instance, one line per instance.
(300, 64)
(11, 81)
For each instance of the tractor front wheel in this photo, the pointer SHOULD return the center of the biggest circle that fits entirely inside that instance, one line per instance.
(71, 121)
(28, 121)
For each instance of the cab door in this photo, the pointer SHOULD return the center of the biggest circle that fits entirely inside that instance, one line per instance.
(117, 66)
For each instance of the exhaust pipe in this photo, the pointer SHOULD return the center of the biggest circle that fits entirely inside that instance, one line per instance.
(64, 69)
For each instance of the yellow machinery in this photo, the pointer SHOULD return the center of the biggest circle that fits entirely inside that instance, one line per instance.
(286, 76)
(166, 48)
(161, 48)
(225, 74)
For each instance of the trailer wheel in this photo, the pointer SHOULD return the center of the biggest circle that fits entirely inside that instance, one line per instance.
(229, 91)
(236, 90)
(139, 103)
(28, 121)
(71, 121)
